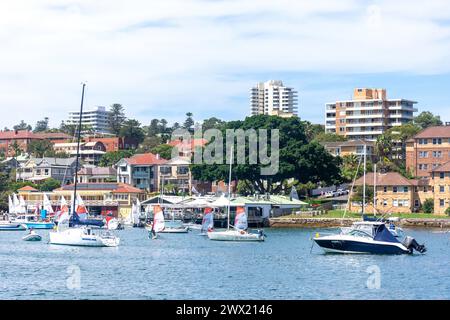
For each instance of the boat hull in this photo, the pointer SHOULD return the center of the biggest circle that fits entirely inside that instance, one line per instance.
(234, 235)
(12, 227)
(175, 230)
(77, 237)
(351, 246)
(39, 225)
(32, 237)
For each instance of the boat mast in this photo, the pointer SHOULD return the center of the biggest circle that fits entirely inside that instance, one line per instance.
(77, 162)
(364, 183)
(375, 189)
(229, 188)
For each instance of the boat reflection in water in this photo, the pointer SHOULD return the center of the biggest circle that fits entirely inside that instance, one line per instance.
(374, 238)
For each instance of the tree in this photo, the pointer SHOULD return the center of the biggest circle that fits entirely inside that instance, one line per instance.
(72, 129)
(164, 150)
(153, 129)
(328, 137)
(116, 118)
(428, 205)
(148, 144)
(49, 185)
(41, 126)
(189, 122)
(313, 131)
(22, 126)
(131, 128)
(40, 148)
(427, 119)
(212, 123)
(357, 195)
(298, 159)
(16, 148)
(109, 159)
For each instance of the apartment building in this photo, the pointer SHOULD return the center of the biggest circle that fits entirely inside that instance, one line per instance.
(273, 98)
(440, 181)
(96, 118)
(369, 114)
(428, 150)
(91, 174)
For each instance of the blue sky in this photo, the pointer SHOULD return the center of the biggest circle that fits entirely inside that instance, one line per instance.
(161, 59)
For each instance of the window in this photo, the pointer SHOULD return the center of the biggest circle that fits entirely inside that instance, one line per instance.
(385, 203)
(441, 189)
(405, 189)
(395, 203)
(423, 154)
(395, 189)
(384, 189)
(437, 141)
(441, 202)
(442, 175)
(416, 203)
(437, 154)
(423, 141)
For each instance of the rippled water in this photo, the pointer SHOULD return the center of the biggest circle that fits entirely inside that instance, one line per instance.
(188, 266)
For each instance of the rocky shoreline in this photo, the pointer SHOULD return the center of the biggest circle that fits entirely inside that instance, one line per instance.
(316, 222)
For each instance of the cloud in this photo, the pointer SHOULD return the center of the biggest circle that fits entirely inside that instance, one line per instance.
(164, 58)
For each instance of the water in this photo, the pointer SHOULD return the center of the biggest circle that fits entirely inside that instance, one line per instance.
(188, 266)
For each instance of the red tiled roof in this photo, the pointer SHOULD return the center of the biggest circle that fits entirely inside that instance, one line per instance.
(27, 188)
(385, 179)
(145, 159)
(20, 134)
(113, 187)
(53, 135)
(443, 167)
(126, 188)
(434, 132)
(194, 142)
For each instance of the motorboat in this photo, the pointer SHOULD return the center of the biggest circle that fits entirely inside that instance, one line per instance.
(236, 235)
(32, 236)
(375, 240)
(368, 225)
(84, 236)
(31, 221)
(10, 226)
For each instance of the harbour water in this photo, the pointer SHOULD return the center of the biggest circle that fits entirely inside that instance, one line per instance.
(189, 266)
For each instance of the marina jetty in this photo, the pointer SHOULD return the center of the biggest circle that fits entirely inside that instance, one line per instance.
(317, 222)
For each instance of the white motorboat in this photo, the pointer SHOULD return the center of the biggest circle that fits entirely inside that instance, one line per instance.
(376, 240)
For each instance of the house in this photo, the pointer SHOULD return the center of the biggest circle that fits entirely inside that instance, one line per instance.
(140, 171)
(427, 150)
(114, 143)
(90, 152)
(186, 147)
(39, 169)
(440, 182)
(89, 174)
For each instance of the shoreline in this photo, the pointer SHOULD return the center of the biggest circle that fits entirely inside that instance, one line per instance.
(310, 222)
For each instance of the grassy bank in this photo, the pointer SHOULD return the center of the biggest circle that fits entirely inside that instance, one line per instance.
(340, 214)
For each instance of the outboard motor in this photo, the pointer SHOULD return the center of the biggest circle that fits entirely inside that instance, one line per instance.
(261, 234)
(411, 244)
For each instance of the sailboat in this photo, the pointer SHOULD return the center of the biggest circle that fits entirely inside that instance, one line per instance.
(158, 224)
(30, 221)
(207, 222)
(83, 235)
(239, 231)
(134, 216)
(79, 218)
(7, 225)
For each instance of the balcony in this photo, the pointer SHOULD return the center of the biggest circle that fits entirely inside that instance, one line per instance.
(141, 175)
(365, 124)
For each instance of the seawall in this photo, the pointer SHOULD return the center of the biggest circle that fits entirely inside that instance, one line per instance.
(310, 222)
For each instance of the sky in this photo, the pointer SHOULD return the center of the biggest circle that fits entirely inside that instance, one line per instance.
(161, 59)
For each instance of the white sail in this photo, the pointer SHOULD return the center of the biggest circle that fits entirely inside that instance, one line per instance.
(136, 212)
(240, 222)
(158, 219)
(11, 208)
(208, 220)
(16, 204)
(22, 205)
(47, 204)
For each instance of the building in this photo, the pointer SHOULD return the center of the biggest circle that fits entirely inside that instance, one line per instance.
(90, 152)
(186, 148)
(114, 143)
(140, 171)
(96, 118)
(427, 150)
(97, 175)
(440, 182)
(39, 169)
(273, 98)
(352, 147)
(23, 138)
(367, 115)
(100, 198)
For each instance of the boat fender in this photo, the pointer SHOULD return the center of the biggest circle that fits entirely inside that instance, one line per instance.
(242, 232)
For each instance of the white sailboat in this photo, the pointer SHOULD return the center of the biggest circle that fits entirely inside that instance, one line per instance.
(239, 231)
(11, 207)
(84, 236)
(134, 216)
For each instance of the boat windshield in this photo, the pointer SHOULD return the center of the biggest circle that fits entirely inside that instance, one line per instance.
(359, 233)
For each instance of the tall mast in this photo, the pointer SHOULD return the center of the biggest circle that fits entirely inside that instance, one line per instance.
(229, 188)
(364, 183)
(78, 149)
(375, 189)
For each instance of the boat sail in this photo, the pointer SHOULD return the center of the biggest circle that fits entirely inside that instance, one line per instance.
(47, 205)
(208, 221)
(11, 207)
(83, 235)
(236, 234)
(158, 224)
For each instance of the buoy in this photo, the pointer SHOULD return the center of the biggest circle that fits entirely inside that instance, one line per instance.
(317, 235)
